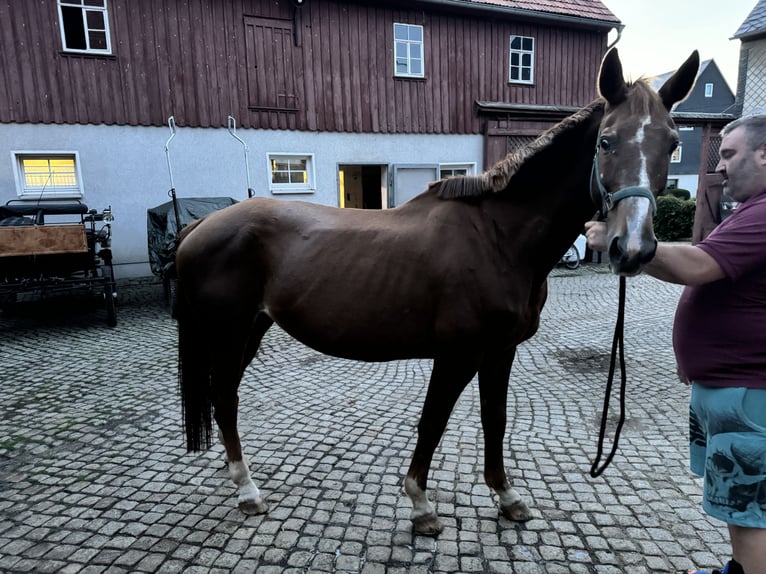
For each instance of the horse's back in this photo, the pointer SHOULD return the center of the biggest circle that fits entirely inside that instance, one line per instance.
(364, 284)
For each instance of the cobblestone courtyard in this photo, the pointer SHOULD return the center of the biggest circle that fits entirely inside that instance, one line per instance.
(94, 476)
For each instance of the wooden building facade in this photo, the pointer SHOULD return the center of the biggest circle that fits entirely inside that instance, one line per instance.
(326, 65)
(359, 89)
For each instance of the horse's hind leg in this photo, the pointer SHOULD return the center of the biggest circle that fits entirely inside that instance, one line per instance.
(448, 379)
(493, 389)
(228, 370)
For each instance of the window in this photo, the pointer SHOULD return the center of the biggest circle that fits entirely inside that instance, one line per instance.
(672, 184)
(453, 169)
(675, 157)
(408, 51)
(522, 68)
(84, 26)
(291, 173)
(708, 90)
(45, 175)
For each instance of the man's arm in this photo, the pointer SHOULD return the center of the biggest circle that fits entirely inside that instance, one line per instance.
(682, 264)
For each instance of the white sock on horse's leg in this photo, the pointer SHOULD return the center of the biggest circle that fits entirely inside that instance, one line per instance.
(249, 497)
(424, 518)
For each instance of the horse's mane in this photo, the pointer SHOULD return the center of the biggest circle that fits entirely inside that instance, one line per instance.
(497, 178)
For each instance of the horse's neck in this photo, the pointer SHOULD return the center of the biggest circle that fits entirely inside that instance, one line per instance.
(551, 192)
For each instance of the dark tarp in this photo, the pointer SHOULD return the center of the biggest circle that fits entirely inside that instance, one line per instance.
(161, 228)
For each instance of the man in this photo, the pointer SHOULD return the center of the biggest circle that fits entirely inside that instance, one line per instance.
(719, 337)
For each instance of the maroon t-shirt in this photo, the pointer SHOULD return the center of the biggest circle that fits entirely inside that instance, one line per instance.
(719, 334)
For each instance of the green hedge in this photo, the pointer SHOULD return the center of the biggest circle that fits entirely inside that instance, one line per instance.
(677, 192)
(675, 218)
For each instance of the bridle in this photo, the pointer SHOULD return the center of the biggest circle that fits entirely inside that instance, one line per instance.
(606, 200)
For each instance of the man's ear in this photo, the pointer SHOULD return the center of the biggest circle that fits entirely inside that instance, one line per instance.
(761, 154)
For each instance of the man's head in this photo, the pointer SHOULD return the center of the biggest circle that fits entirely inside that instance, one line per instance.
(743, 157)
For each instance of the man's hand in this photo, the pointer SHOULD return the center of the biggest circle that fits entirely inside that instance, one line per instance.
(681, 376)
(595, 233)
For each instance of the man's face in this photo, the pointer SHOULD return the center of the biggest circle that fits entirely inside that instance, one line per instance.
(743, 169)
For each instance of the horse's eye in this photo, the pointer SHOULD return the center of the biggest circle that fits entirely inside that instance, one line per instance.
(605, 145)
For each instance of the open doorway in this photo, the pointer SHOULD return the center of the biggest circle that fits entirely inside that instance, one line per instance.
(363, 186)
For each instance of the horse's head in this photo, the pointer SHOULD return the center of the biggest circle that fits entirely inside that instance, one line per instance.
(630, 166)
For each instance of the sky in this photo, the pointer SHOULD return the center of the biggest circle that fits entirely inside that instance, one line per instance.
(660, 34)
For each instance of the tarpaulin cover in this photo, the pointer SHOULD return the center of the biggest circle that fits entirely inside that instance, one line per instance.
(161, 228)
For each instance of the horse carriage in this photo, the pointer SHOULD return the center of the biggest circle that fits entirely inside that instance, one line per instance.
(49, 247)
(163, 224)
(165, 221)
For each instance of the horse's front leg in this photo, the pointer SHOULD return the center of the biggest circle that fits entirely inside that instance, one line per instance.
(493, 390)
(448, 379)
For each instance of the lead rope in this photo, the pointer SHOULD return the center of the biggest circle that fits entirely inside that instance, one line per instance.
(617, 342)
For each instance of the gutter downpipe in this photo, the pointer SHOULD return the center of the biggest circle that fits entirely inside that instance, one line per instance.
(617, 39)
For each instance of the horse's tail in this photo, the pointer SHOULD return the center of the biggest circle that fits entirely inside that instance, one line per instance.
(194, 370)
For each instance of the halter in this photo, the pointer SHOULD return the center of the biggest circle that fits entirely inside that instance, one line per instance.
(609, 200)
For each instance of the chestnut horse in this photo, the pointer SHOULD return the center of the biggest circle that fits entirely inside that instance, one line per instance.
(457, 274)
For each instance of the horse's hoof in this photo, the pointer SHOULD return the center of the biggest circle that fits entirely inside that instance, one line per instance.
(518, 511)
(428, 525)
(253, 507)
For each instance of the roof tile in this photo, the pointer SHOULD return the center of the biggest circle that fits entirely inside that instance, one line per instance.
(587, 9)
(755, 22)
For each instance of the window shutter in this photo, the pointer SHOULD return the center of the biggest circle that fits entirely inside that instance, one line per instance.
(271, 60)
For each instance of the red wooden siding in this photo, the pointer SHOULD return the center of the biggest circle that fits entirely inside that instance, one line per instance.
(201, 60)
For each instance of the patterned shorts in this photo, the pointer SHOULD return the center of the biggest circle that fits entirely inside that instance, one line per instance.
(727, 446)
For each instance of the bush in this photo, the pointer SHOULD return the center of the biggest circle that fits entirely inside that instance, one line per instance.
(677, 192)
(675, 218)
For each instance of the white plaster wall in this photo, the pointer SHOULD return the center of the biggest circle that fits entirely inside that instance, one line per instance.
(688, 182)
(754, 100)
(126, 167)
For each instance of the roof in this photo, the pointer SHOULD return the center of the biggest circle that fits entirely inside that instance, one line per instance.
(594, 9)
(755, 23)
(658, 81)
(592, 12)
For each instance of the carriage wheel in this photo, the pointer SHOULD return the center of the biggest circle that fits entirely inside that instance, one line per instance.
(8, 303)
(111, 308)
(110, 292)
(572, 258)
(169, 286)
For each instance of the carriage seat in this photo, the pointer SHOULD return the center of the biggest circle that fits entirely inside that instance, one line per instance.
(35, 211)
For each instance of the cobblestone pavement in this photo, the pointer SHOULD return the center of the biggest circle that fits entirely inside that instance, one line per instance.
(94, 476)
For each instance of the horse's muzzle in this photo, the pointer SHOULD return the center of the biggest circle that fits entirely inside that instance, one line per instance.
(629, 260)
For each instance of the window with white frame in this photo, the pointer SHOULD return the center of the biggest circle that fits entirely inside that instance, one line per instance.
(46, 175)
(84, 26)
(708, 90)
(408, 51)
(291, 172)
(675, 157)
(456, 169)
(522, 60)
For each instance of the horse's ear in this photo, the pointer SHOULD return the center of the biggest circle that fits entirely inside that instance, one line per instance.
(611, 84)
(681, 82)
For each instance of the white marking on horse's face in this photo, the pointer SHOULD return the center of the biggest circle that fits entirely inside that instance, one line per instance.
(643, 176)
(637, 209)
